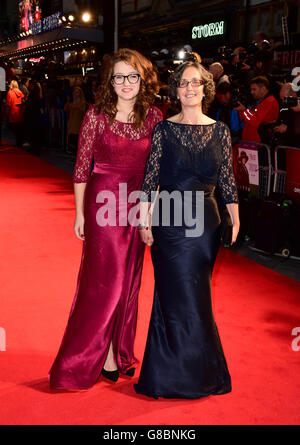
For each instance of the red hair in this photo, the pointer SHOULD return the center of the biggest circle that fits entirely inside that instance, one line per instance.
(106, 98)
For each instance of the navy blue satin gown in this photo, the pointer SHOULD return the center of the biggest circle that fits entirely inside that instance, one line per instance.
(184, 356)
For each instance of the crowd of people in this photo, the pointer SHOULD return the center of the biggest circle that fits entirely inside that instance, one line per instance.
(253, 97)
(47, 113)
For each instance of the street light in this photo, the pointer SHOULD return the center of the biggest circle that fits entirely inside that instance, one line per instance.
(86, 17)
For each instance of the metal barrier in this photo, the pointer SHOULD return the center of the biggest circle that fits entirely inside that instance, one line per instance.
(261, 163)
(287, 171)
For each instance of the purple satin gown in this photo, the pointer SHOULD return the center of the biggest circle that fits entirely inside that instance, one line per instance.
(106, 298)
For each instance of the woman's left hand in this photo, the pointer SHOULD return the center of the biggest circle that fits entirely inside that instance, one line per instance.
(235, 231)
(146, 236)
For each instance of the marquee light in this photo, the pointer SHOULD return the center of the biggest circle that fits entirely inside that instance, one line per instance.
(208, 30)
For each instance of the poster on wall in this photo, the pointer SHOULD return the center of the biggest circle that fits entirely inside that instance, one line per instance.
(30, 12)
(246, 167)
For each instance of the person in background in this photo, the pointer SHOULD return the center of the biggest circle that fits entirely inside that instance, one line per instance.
(217, 70)
(288, 128)
(10, 72)
(15, 111)
(76, 111)
(222, 110)
(32, 117)
(264, 110)
(264, 66)
(24, 87)
(67, 90)
(89, 87)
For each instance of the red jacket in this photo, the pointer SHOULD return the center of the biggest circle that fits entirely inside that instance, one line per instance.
(266, 111)
(15, 107)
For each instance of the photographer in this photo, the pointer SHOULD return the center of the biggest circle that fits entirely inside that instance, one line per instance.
(287, 130)
(222, 109)
(241, 71)
(265, 109)
(217, 70)
(265, 66)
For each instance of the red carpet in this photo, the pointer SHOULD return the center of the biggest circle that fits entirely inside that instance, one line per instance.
(255, 309)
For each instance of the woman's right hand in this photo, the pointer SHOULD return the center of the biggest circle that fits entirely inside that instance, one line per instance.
(146, 236)
(79, 227)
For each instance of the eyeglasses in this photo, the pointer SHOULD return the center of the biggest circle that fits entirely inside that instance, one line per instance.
(194, 82)
(119, 79)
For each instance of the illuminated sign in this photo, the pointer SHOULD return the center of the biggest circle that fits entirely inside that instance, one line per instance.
(46, 24)
(208, 30)
(36, 59)
(29, 13)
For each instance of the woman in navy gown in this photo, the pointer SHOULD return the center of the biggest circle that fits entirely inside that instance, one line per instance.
(190, 152)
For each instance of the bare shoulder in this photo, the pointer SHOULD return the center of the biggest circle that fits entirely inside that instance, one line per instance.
(178, 120)
(174, 118)
(209, 121)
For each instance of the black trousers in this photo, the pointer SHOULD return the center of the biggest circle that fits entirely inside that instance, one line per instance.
(18, 130)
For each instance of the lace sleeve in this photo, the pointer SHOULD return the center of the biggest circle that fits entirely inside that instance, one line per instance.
(157, 116)
(226, 180)
(90, 128)
(152, 169)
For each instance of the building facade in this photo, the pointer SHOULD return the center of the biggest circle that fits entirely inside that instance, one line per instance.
(67, 33)
(155, 27)
(205, 26)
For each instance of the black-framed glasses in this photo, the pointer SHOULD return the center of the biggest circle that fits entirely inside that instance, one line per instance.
(119, 79)
(183, 83)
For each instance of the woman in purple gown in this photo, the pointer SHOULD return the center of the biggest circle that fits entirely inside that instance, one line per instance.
(116, 134)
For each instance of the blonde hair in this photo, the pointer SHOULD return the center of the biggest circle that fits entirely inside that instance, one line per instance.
(13, 85)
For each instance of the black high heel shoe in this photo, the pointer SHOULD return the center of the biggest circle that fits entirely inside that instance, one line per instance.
(110, 375)
(130, 372)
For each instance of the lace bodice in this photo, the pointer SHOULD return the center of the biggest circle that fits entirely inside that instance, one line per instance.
(181, 152)
(118, 144)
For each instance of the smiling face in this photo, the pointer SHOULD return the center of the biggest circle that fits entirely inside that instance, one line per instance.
(127, 90)
(191, 96)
